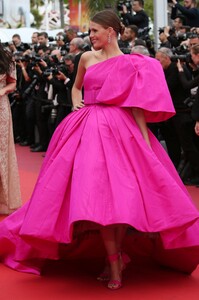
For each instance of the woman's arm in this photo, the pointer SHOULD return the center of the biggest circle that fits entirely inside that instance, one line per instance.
(77, 87)
(140, 120)
(10, 87)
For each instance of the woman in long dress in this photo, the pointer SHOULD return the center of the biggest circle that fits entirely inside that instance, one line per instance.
(105, 171)
(10, 198)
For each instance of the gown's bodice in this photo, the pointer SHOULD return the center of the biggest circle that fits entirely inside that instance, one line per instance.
(94, 80)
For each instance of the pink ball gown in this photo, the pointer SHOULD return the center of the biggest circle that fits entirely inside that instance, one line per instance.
(99, 170)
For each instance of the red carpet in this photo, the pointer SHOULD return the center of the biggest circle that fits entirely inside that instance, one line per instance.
(76, 279)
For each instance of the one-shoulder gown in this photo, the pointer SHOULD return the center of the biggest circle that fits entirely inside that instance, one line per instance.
(99, 170)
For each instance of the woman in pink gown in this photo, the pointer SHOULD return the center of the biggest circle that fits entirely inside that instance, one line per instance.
(104, 170)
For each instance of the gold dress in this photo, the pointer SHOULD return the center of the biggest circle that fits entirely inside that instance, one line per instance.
(10, 197)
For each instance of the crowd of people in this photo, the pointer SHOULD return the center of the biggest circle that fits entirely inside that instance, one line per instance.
(104, 170)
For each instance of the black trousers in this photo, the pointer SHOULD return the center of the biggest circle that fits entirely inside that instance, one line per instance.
(184, 127)
(30, 120)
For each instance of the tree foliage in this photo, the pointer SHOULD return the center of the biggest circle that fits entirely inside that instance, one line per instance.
(97, 5)
(93, 6)
(148, 7)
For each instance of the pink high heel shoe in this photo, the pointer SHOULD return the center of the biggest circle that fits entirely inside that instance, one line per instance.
(114, 284)
(105, 274)
(125, 260)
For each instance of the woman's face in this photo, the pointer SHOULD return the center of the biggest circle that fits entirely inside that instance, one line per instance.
(98, 36)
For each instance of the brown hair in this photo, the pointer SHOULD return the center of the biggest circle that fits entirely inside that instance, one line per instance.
(6, 61)
(108, 18)
(195, 49)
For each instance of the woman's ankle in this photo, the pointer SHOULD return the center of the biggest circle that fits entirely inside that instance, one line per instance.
(115, 269)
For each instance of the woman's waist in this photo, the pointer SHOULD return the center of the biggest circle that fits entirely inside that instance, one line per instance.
(90, 97)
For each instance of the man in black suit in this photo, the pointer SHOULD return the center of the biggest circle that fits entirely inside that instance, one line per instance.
(75, 47)
(140, 18)
(178, 131)
(189, 11)
(195, 108)
(62, 83)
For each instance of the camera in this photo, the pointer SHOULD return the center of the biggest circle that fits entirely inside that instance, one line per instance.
(171, 30)
(183, 58)
(31, 87)
(143, 34)
(47, 72)
(190, 101)
(127, 4)
(54, 70)
(34, 60)
(14, 98)
(20, 57)
(180, 50)
(82, 34)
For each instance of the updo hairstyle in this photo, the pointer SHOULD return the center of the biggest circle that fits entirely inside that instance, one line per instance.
(108, 18)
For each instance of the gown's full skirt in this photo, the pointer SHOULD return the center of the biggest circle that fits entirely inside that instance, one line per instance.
(99, 171)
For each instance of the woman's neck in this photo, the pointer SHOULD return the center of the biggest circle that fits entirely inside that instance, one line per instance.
(110, 52)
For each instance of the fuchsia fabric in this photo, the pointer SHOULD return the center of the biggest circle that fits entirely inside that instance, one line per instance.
(98, 168)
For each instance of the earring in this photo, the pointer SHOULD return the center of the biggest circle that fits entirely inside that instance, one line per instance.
(109, 39)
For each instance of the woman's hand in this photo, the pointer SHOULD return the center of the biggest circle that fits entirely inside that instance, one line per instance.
(197, 128)
(78, 105)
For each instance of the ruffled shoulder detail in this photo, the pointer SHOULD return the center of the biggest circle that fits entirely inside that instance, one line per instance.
(138, 81)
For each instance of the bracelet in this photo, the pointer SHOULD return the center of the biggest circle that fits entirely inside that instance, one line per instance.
(23, 68)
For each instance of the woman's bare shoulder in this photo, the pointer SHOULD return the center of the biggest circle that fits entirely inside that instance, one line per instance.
(89, 58)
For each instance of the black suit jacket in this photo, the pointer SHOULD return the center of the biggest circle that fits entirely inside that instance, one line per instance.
(195, 108)
(140, 19)
(191, 14)
(177, 91)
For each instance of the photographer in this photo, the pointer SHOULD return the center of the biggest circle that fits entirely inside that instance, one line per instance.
(61, 41)
(75, 47)
(173, 36)
(61, 79)
(195, 107)
(163, 37)
(19, 103)
(70, 33)
(130, 35)
(140, 18)
(43, 38)
(184, 50)
(39, 92)
(178, 131)
(20, 46)
(189, 10)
